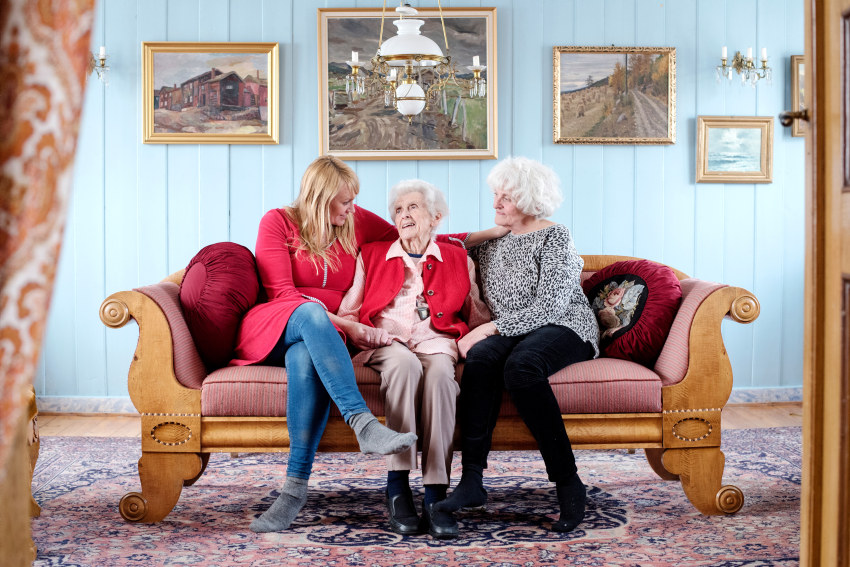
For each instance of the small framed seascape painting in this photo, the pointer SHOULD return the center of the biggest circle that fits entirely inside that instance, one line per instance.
(734, 149)
(209, 93)
(614, 95)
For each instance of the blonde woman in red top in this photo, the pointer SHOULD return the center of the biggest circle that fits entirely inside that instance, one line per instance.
(306, 257)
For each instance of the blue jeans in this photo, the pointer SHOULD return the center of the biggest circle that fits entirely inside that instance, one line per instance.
(318, 369)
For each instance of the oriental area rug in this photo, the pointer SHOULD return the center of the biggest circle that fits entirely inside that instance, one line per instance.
(633, 517)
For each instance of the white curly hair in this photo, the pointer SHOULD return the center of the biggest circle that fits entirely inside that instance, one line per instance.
(534, 187)
(435, 201)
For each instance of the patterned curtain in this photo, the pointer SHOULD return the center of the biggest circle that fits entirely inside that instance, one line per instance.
(44, 54)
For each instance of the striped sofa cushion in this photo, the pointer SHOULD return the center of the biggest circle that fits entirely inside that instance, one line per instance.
(672, 363)
(188, 366)
(250, 391)
(605, 385)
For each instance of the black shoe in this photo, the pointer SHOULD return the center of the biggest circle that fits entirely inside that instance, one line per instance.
(440, 525)
(402, 511)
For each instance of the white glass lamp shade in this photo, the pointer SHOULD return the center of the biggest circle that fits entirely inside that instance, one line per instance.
(410, 99)
(410, 41)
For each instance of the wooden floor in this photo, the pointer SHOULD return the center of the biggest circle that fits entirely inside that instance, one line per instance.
(736, 416)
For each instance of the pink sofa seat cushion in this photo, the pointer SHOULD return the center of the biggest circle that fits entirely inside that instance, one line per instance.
(596, 386)
(260, 391)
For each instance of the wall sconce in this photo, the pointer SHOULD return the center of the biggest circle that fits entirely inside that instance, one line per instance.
(98, 65)
(745, 67)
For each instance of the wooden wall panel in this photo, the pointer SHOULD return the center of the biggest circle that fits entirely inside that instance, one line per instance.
(792, 220)
(121, 134)
(141, 211)
(768, 208)
(679, 186)
(618, 188)
(709, 199)
(588, 208)
(558, 29)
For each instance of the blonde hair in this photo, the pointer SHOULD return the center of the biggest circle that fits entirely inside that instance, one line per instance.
(311, 211)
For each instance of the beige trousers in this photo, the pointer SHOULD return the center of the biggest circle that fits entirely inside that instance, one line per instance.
(420, 395)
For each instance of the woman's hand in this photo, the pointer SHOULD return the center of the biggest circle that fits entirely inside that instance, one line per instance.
(365, 337)
(475, 335)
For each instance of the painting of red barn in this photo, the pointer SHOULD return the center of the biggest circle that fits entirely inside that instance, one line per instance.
(210, 93)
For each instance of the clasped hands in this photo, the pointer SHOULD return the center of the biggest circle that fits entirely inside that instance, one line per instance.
(365, 337)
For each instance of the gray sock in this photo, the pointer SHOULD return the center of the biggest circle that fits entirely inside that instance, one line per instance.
(283, 510)
(375, 437)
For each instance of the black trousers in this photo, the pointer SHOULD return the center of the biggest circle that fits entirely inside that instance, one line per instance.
(521, 365)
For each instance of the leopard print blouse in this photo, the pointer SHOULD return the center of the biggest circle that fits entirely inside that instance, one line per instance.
(534, 279)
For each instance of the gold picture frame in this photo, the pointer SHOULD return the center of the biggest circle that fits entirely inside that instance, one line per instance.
(209, 93)
(613, 95)
(734, 149)
(798, 93)
(365, 130)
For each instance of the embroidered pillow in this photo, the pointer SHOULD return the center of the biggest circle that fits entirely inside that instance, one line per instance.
(220, 284)
(635, 302)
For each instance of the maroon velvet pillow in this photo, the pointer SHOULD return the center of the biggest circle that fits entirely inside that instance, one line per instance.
(634, 302)
(219, 286)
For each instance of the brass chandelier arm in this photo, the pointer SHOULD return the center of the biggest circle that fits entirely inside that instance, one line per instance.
(443, 24)
(381, 35)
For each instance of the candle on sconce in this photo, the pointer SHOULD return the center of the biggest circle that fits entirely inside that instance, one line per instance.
(475, 61)
(102, 52)
(764, 54)
(355, 57)
(749, 53)
(723, 52)
(393, 74)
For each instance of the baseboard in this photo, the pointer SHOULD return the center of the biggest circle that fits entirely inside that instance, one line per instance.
(766, 395)
(83, 404)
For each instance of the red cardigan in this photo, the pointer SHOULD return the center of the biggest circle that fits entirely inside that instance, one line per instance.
(446, 285)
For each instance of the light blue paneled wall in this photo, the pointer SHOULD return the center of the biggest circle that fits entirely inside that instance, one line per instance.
(140, 212)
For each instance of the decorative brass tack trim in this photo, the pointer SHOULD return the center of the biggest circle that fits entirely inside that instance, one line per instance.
(689, 410)
(691, 439)
(171, 414)
(166, 443)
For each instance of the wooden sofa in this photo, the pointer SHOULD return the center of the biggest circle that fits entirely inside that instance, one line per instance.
(681, 436)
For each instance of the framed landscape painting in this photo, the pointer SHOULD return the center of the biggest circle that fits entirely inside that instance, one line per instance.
(734, 149)
(614, 95)
(360, 127)
(209, 93)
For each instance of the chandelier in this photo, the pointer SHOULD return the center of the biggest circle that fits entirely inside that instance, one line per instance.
(745, 67)
(409, 70)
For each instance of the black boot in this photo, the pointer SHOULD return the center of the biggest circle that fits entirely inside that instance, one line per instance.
(469, 492)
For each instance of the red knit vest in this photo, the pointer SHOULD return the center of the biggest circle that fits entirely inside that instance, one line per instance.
(446, 285)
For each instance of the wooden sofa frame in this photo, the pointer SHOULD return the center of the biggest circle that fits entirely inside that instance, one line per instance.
(682, 442)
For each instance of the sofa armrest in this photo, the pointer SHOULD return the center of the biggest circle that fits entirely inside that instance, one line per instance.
(152, 382)
(672, 363)
(707, 382)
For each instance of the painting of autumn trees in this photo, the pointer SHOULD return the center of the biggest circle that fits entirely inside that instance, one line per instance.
(614, 95)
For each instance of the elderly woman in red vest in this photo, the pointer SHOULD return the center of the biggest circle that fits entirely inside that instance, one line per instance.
(421, 296)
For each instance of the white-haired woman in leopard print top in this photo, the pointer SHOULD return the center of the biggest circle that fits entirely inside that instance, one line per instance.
(542, 322)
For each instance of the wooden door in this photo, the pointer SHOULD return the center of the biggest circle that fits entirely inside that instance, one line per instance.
(826, 431)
